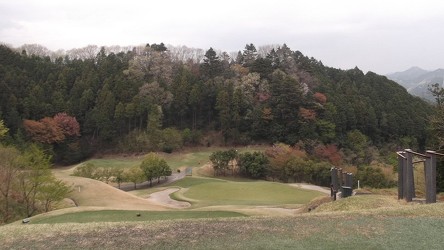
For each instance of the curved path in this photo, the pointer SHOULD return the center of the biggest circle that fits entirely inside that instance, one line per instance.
(163, 198)
(311, 187)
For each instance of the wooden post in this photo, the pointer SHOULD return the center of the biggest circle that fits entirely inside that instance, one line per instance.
(404, 176)
(350, 181)
(430, 177)
(344, 182)
(409, 188)
(334, 183)
(401, 161)
(341, 180)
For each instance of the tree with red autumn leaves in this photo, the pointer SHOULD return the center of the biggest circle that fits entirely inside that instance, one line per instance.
(50, 130)
(330, 153)
(67, 124)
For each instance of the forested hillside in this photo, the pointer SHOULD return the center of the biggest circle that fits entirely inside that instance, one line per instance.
(154, 98)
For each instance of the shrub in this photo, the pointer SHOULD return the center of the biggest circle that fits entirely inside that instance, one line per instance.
(86, 170)
(171, 140)
(254, 165)
(320, 174)
(167, 140)
(154, 167)
(221, 160)
(373, 177)
(280, 155)
(191, 137)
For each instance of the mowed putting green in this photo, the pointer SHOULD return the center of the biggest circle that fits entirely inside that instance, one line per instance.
(125, 215)
(209, 192)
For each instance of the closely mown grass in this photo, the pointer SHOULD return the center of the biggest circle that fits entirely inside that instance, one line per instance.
(194, 181)
(210, 192)
(126, 215)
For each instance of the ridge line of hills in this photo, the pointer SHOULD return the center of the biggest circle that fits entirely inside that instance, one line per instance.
(417, 80)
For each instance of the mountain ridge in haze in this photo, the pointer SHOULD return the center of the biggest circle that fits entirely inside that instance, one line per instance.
(417, 80)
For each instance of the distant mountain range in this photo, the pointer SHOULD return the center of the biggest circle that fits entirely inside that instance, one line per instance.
(417, 81)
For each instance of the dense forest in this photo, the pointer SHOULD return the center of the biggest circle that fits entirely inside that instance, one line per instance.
(157, 98)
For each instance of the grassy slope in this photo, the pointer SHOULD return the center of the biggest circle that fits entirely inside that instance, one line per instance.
(89, 192)
(404, 227)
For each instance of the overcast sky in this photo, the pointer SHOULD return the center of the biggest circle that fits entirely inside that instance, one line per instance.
(376, 35)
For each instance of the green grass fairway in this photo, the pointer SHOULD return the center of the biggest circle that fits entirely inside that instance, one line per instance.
(189, 159)
(210, 192)
(125, 215)
(194, 181)
(194, 157)
(116, 162)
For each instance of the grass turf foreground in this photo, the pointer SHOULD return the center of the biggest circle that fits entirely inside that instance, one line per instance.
(312, 231)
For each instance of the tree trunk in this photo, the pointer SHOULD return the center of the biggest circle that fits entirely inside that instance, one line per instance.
(6, 215)
(193, 126)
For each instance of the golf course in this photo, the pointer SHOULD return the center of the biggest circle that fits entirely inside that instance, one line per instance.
(200, 211)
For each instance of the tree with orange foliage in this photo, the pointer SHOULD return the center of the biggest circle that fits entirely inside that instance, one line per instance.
(330, 153)
(280, 155)
(44, 131)
(307, 114)
(319, 97)
(52, 130)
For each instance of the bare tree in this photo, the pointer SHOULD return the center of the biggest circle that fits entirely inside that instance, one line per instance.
(35, 49)
(149, 65)
(88, 52)
(185, 54)
(264, 50)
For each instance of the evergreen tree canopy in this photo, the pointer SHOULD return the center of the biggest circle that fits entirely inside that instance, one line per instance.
(281, 97)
